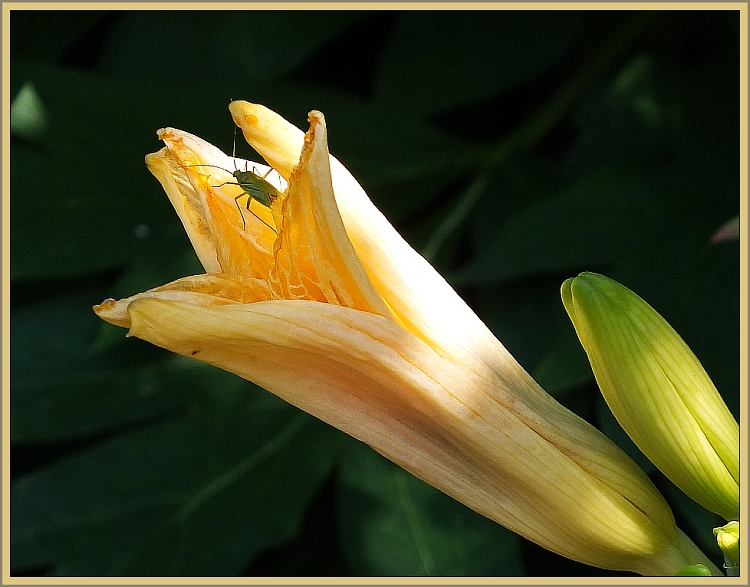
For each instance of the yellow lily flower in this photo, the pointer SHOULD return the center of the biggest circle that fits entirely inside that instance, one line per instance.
(321, 302)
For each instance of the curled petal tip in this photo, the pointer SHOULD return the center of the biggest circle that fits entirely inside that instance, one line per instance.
(113, 312)
(246, 114)
(104, 307)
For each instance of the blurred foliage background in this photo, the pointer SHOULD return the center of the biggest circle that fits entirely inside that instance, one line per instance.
(513, 148)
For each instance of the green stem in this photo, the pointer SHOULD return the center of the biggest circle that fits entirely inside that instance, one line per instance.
(456, 217)
(733, 569)
(558, 105)
(540, 122)
(682, 552)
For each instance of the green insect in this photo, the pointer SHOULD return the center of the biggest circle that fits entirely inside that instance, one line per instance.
(254, 186)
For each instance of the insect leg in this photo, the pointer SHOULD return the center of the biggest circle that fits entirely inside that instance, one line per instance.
(249, 200)
(225, 183)
(237, 203)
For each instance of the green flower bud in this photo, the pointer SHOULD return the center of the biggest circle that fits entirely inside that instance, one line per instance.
(658, 390)
(728, 537)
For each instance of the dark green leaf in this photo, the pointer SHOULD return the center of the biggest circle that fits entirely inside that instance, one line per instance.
(252, 45)
(698, 521)
(436, 60)
(588, 225)
(62, 389)
(82, 196)
(192, 496)
(395, 524)
(48, 34)
(565, 365)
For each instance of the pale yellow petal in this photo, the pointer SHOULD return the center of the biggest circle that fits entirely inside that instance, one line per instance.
(189, 206)
(365, 375)
(423, 301)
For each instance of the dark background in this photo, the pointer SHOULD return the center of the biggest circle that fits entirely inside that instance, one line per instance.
(513, 149)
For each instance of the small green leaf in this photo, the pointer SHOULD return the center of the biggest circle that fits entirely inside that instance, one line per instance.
(697, 570)
(27, 116)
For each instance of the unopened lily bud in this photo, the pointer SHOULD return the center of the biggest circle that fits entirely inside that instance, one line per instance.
(658, 390)
(728, 538)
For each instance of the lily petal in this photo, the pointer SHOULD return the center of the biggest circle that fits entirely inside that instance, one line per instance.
(315, 258)
(367, 376)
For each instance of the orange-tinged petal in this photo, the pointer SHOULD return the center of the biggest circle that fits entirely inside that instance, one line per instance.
(367, 376)
(310, 255)
(189, 206)
(314, 259)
